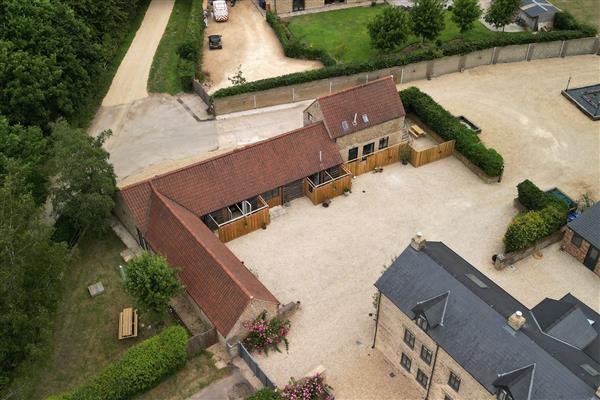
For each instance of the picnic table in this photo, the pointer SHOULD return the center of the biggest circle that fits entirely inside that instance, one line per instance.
(128, 323)
(416, 131)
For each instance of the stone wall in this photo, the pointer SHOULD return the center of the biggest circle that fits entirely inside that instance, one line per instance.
(578, 252)
(254, 308)
(123, 214)
(312, 114)
(504, 260)
(392, 129)
(404, 74)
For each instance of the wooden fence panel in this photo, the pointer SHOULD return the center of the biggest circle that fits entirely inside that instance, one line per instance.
(434, 153)
(327, 191)
(244, 225)
(379, 158)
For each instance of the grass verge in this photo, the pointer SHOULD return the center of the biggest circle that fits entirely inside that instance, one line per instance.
(85, 330)
(345, 36)
(587, 11)
(88, 109)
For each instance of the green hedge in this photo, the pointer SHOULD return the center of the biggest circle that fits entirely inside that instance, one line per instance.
(547, 215)
(449, 128)
(139, 369)
(189, 65)
(265, 394)
(294, 48)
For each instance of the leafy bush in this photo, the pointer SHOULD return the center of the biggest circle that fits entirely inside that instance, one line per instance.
(449, 128)
(564, 20)
(140, 368)
(524, 231)
(265, 335)
(265, 394)
(188, 50)
(536, 199)
(294, 48)
(312, 388)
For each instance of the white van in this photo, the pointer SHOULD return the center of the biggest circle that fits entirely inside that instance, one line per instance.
(220, 12)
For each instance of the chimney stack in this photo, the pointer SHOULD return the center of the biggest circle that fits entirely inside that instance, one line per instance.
(516, 321)
(418, 242)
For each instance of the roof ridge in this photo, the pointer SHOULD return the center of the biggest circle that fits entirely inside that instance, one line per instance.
(228, 153)
(356, 87)
(185, 225)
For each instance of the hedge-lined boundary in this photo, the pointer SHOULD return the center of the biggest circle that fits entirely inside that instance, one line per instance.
(398, 60)
(546, 215)
(294, 48)
(140, 368)
(449, 128)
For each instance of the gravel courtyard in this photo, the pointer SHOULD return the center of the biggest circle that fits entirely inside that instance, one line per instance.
(329, 258)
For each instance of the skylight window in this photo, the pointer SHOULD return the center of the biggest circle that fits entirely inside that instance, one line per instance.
(345, 125)
(365, 118)
(590, 370)
(477, 281)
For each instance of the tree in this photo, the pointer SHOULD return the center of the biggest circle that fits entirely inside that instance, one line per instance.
(427, 18)
(465, 13)
(30, 268)
(153, 283)
(84, 184)
(389, 29)
(502, 12)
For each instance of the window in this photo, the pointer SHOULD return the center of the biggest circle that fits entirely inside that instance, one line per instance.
(422, 322)
(504, 394)
(406, 362)
(309, 116)
(454, 381)
(576, 240)
(353, 154)
(345, 125)
(422, 378)
(383, 142)
(446, 397)
(409, 338)
(365, 118)
(426, 355)
(367, 149)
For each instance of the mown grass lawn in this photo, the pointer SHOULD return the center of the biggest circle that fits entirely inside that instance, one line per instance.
(587, 11)
(344, 34)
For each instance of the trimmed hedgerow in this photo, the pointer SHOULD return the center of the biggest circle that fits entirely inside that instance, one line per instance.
(294, 48)
(449, 128)
(564, 20)
(547, 215)
(140, 368)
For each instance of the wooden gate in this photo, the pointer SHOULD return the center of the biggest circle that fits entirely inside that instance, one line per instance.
(422, 157)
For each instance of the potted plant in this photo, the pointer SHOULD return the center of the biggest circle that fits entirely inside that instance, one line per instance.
(405, 155)
(346, 191)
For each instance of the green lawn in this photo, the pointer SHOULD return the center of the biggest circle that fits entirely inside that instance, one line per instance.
(344, 33)
(584, 10)
(85, 331)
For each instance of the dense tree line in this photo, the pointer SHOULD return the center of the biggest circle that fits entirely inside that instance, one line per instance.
(51, 52)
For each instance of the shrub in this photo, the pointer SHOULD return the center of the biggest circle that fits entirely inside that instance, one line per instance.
(524, 231)
(140, 368)
(265, 335)
(564, 20)
(312, 388)
(188, 50)
(265, 394)
(449, 128)
(534, 198)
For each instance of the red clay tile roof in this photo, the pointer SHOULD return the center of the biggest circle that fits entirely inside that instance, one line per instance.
(211, 273)
(212, 184)
(378, 99)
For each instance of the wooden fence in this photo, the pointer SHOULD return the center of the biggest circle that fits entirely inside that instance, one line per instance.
(244, 225)
(328, 190)
(379, 158)
(431, 154)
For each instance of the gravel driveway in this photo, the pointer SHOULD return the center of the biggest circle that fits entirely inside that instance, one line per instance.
(329, 258)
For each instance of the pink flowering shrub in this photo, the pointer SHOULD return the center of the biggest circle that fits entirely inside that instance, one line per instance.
(265, 335)
(313, 388)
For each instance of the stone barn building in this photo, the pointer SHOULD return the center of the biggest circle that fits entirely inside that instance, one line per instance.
(582, 238)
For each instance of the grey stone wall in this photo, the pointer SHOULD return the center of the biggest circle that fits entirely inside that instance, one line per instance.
(478, 58)
(546, 50)
(582, 46)
(512, 53)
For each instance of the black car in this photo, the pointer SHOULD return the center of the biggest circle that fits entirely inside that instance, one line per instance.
(214, 42)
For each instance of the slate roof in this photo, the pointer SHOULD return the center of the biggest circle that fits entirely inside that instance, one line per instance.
(587, 225)
(227, 179)
(534, 8)
(378, 99)
(519, 382)
(210, 272)
(475, 331)
(433, 309)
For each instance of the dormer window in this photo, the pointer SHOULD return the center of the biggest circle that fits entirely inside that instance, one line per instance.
(422, 322)
(504, 394)
(345, 125)
(365, 118)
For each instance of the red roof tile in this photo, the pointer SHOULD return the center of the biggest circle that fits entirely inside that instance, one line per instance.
(212, 184)
(213, 276)
(378, 99)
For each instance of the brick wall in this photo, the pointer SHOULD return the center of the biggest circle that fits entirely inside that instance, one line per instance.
(390, 341)
(578, 252)
(392, 129)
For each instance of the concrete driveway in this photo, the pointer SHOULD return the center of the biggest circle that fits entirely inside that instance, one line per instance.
(329, 258)
(249, 43)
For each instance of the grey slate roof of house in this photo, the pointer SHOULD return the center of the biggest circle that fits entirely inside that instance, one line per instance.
(534, 8)
(587, 225)
(475, 331)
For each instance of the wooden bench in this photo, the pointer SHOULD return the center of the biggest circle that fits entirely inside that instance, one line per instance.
(416, 131)
(128, 323)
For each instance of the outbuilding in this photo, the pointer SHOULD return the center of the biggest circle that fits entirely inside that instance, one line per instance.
(537, 15)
